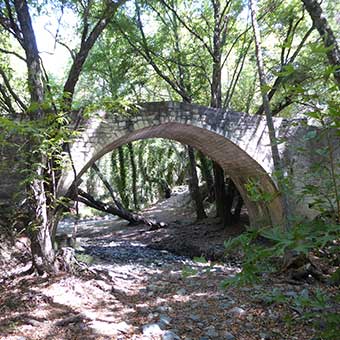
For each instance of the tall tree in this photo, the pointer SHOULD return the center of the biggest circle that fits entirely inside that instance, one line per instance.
(177, 82)
(133, 175)
(271, 130)
(16, 19)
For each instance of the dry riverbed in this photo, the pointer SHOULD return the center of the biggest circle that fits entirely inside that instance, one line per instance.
(139, 289)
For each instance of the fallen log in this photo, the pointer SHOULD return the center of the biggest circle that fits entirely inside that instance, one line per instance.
(133, 218)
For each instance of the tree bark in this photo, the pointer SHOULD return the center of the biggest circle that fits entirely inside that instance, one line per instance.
(221, 198)
(206, 174)
(273, 142)
(122, 178)
(108, 186)
(133, 175)
(238, 209)
(223, 205)
(193, 186)
(42, 249)
(41, 200)
(134, 219)
(320, 22)
(35, 75)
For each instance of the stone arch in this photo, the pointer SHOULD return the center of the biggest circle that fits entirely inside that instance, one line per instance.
(237, 141)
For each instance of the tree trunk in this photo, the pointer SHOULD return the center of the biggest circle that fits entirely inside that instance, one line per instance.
(134, 219)
(206, 174)
(238, 209)
(134, 175)
(216, 101)
(41, 198)
(193, 186)
(273, 142)
(222, 200)
(107, 185)
(122, 180)
(320, 22)
(42, 249)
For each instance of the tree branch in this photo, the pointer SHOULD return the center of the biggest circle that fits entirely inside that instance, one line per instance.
(13, 53)
(11, 91)
(90, 201)
(85, 48)
(279, 79)
(195, 34)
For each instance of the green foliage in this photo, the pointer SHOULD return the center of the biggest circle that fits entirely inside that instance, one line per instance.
(202, 265)
(317, 307)
(262, 247)
(188, 271)
(256, 193)
(88, 259)
(159, 164)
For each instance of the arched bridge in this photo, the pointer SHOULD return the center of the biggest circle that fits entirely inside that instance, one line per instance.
(237, 141)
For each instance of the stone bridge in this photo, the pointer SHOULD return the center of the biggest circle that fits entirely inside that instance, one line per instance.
(237, 141)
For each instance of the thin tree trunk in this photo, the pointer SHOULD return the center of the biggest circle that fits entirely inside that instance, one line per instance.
(238, 209)
(108, 186)
(222, 199)
(134, 175)
(320, 22)
(273, 142)
(122, 180)
(206, 173)
(216, 101)
(193, 186)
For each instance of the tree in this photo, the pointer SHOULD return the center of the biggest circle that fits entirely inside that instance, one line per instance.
(16, 19)
(271, 130)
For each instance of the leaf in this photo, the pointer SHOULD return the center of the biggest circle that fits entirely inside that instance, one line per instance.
(310, 135)
(200, 259)
(286, 71)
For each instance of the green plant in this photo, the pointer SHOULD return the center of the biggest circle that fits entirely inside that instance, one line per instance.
(261, 248)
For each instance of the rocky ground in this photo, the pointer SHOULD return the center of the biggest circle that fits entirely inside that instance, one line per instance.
(138, 289)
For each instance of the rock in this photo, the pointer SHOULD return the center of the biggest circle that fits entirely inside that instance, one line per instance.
(162, 309)
(204, 338)
(290, 294)
(226, 305)
(237, 312)
(103, 285)
(152, 329)
(211, 332)
(194, 317)
(164, 319)
(229, 336)
(181, 292)
(123, 327)
(152, 316)
(143, 310)
(264, 336)
(109, 328)
(169, 335)
(33, 322)
(152, 288)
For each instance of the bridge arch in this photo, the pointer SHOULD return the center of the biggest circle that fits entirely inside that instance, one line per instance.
(237, 141)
